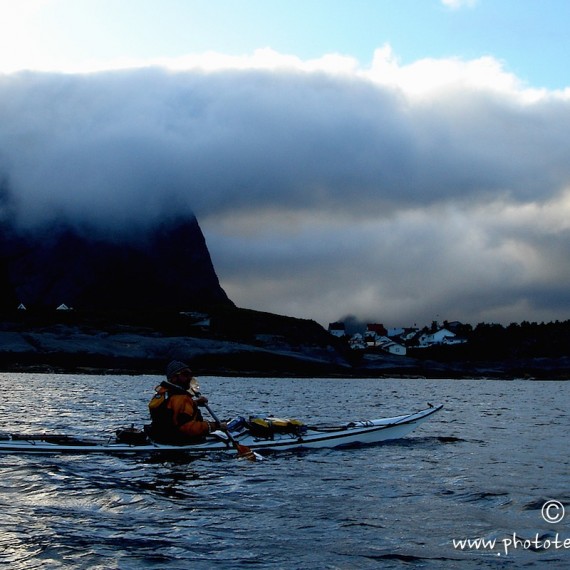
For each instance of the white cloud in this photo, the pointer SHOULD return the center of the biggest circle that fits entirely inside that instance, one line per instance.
(448, 77)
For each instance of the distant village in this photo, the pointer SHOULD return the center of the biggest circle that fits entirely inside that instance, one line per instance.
(398, 341)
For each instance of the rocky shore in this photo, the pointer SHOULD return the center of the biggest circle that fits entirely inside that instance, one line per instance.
(71, 349)
(232, 342)
(130, 349)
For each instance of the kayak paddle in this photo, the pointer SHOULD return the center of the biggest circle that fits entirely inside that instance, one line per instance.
(242, 450)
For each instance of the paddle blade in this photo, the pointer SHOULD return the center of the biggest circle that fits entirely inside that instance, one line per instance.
(245, 452)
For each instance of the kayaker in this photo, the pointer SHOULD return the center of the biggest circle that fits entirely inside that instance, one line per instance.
(175, 415)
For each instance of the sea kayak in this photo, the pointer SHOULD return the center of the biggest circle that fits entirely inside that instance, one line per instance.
(270, 434)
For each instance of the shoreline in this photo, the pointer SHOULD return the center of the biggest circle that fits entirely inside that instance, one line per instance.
(438, 373)
(124, 349)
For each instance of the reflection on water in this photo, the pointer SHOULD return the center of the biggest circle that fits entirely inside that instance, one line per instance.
(482, 468)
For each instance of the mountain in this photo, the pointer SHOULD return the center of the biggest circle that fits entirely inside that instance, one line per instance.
(164, 267)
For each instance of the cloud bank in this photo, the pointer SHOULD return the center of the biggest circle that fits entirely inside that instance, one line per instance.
(399, 194)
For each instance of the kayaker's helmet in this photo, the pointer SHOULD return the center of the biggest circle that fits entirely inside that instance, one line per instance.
(174, 368)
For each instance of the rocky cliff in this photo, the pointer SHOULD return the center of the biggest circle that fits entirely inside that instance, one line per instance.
(167, 266)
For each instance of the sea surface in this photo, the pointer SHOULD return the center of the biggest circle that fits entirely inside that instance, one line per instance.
(482, 469)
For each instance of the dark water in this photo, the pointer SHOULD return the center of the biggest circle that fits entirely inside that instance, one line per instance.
(483, 468)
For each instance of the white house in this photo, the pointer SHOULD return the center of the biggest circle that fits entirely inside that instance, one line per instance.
(373, 340)
(442, 336)
(454, 340)
(356, 342)
(390, 346)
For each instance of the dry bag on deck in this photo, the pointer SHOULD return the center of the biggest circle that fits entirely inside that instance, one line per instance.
(267, 427)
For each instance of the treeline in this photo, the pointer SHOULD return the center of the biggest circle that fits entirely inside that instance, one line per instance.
(524, 340)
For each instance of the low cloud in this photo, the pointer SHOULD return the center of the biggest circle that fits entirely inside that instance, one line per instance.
(393, 193)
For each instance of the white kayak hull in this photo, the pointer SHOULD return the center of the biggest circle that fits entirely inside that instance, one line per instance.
(353, 434)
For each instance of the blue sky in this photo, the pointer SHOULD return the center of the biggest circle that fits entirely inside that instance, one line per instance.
(395, 160)
(530, 37)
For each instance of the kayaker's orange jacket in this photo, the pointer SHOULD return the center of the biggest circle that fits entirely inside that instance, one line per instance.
(186, 416)
(176, 416)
